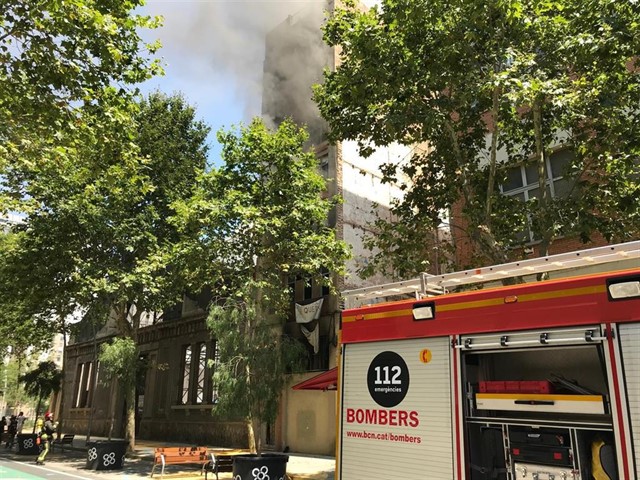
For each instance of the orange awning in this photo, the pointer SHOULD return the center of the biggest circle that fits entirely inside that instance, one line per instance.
(325, 381)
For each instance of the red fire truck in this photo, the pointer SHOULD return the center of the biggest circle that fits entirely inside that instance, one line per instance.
(536, 380)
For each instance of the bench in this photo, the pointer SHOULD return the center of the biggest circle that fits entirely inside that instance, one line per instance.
(219, 463)
(65, 440)
(221, 460)
(180, 456)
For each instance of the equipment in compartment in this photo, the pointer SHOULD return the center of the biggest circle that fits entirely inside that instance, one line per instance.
(581, 404)
(537, 454)
(536, 436)
(603, 460)
(527, 386)
(543, 472)
(545, 446)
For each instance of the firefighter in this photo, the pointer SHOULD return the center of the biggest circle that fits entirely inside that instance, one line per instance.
(12, 429)
(47, 429)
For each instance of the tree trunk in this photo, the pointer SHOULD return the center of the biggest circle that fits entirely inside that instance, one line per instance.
(543, 199)
(60, 412)
(112, 412)
(94, 384)
(37, 412)
(253, 423)
(130, 330)
(251, 436)
(482, 237)
(130, 420)
(493, 157)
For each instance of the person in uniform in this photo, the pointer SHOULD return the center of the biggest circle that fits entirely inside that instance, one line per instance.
(47, 429)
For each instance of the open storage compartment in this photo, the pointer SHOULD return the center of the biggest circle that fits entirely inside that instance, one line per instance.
(543, 396)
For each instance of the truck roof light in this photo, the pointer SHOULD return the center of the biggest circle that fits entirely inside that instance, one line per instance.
(424, 311)
(624, 289)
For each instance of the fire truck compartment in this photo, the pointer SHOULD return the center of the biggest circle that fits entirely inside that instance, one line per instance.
(535, 434)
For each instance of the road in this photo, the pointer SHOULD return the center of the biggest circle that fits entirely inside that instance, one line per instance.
(11, 469)
(70, 465)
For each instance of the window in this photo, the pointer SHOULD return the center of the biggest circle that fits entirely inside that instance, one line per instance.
(201, 349)
(522, 181)
(324, 166)
(186, 374)
(85, 380)
(80, 378)
(214, 361)
(308, 289)
(302, 287)
(325, 288)
(199, 362)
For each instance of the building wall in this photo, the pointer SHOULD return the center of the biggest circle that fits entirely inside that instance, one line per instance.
(101, 412)
(160, 414)
(365, 199)
(309, 419)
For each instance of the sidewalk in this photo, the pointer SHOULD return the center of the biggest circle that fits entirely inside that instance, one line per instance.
(299, 467)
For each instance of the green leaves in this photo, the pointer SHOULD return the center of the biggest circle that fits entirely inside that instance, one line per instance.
(485, 86)
(43, 380)
(264, 202)
(119, 361)
(58, 64)
(254, 361)
(255, 221)
(98, 225)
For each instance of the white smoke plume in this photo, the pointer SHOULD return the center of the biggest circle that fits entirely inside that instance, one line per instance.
(213, 44)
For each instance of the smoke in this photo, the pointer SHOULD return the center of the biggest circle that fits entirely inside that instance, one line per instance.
(218, 47)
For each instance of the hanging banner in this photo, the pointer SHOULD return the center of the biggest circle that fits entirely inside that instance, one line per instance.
(309, 312)
(313, 337)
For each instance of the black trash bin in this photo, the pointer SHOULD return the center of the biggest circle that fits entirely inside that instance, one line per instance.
(27, 444)
(271, 466)
(106, 454)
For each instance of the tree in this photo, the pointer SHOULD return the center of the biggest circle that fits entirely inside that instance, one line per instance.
(99, 234)
(41, 382)
(60, 62)
(489, 86)
(120, 362)
(67, 77)
(35, 297)
(13, 395)
(254, 221)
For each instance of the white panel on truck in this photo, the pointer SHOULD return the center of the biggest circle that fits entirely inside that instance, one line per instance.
(630, 346)
(396, 410)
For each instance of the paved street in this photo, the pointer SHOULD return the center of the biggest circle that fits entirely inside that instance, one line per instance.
(71, 465)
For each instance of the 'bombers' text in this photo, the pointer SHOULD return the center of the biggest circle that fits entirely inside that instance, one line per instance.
(393, 418)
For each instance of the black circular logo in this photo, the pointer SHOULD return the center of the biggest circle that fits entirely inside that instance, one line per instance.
(388, 379)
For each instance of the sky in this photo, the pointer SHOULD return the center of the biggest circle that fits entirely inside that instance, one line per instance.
(213, 52)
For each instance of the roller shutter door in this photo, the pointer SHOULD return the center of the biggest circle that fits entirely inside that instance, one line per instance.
(412, 438)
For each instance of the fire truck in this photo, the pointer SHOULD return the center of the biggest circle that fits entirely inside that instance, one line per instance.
(536, 380)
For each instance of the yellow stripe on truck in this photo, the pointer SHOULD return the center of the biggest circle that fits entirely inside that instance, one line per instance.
(490, 302)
